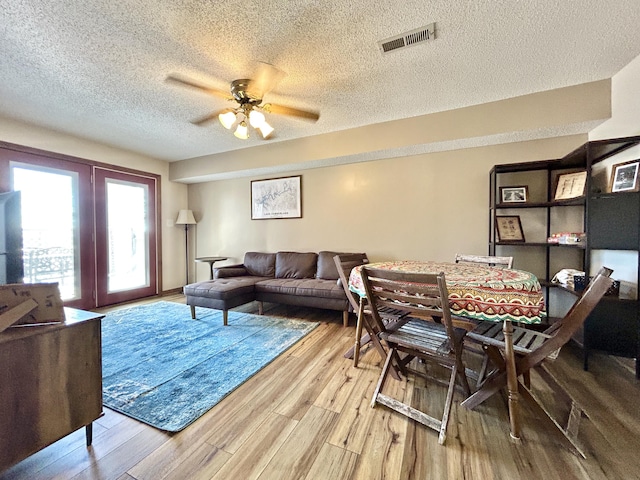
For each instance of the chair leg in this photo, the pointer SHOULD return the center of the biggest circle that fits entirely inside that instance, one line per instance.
(363, 340)
(383, 377)
(491, 385)
(570, 432)
(366, 338)
(356, 347)
(483, 370)
(447, 405)
(462, 378)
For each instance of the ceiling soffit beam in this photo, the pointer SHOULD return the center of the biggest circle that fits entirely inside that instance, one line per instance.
(558, 112)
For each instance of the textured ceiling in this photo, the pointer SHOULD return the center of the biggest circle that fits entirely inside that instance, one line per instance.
(96, 69)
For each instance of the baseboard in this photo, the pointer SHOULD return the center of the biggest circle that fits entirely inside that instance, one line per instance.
(173, 291)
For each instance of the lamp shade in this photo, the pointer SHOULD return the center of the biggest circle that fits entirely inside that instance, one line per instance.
(265, 129)
(227, 119)
(185, 217)
(242, 132)
(256, 119)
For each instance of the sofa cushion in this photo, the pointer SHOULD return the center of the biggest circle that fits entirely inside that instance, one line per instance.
(307, 287)
(326, 266)
(320, 288)
(278, 285)
(296, 265)
(260, 264)
(222, 288)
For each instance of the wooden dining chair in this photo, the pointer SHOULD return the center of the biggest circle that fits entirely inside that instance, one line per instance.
(344, 264)
(490, 261)
(441, 343)
(532, 350)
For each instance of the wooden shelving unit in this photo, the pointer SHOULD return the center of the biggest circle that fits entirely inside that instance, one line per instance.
(611, 222)
(540, 217)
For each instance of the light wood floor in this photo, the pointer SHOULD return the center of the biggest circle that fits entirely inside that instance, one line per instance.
(307, 416)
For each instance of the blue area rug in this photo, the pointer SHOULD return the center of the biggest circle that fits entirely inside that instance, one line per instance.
(163, 368)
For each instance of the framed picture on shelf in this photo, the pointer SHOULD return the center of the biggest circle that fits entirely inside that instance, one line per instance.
(276, 198)
(624, 177)
(570, 185)
(514, 194)
(509, 228)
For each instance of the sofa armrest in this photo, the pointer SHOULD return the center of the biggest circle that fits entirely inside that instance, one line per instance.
(230, 271)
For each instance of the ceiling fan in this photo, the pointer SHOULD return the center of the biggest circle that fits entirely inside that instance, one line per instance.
(248, 93)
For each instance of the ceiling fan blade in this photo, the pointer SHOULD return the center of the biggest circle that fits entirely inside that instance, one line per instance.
(207, 118)
(264, 79)
(190, 83)
(294, 112)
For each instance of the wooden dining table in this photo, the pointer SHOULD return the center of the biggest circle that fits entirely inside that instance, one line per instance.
(481, 293)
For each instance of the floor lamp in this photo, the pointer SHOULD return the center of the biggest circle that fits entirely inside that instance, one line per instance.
(185, 217)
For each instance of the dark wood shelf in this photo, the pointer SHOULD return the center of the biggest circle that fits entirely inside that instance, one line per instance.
(539, 244)
(562, 287)
(556, 203)
(575, 160)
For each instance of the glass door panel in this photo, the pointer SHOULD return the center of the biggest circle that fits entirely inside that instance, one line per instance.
(52, 214)
(128, 255)
(50, 229)
(125, 236)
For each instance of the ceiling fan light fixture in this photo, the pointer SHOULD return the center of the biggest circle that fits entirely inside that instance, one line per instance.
(249, 108)
(227, 119)
(242, 131)
(265, 129)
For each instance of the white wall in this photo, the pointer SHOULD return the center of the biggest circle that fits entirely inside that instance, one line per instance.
(625, 105)
(428, 206)
(173, 195)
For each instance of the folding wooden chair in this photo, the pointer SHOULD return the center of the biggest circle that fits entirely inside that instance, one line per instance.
(491, 261)
(532, 349)
(440, 343)
(345, 263)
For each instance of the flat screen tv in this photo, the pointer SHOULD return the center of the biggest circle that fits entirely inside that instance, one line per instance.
(11, 265)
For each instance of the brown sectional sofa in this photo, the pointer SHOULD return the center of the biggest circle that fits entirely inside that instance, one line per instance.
(290, 278)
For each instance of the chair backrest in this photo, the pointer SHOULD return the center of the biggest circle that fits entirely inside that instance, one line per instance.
(344, 264)
(421, 294)
(573, 320)
(491, 261)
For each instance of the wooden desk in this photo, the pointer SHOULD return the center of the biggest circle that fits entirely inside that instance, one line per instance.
(50, 383)
(210, 261)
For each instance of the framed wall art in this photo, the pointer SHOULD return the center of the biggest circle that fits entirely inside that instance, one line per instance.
(624, 177)
(514, 194)
(570, 185)
(509, 228)
(276, 198)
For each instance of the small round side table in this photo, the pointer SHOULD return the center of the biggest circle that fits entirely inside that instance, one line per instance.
(210, 261)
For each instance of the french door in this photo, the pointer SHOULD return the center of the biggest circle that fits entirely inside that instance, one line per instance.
(91, 229)
(125, 236)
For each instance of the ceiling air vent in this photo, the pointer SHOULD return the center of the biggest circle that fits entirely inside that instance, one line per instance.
(407, 39)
